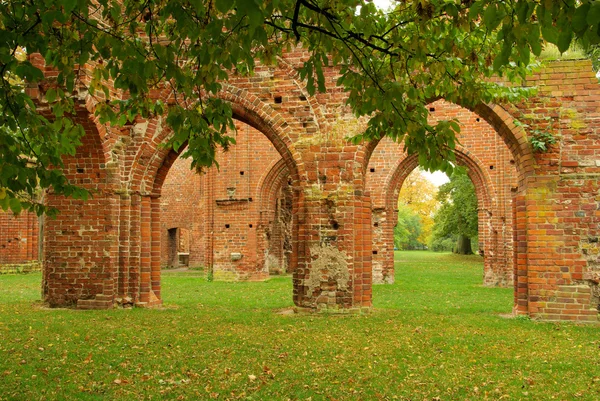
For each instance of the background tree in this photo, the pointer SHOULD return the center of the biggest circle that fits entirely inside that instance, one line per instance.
(408, 229)
(418, 194)
(457, 216)
(391, 64)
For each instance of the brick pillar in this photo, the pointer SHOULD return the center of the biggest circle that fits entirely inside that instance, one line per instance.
(155, 251)
(81, 252)
(521, 294)
(334, 241)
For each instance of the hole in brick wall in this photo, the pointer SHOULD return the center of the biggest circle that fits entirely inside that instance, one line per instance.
(302, 97)
(249, 199)
(334, 224)
(250, 225)
(432, 109)
(478, 119)
(376, 224)
(241, 173)
(374, 252)
(491, 167)
(278, 99)
(512, 161)
(372, 170)
(80, 170)
(226, 225)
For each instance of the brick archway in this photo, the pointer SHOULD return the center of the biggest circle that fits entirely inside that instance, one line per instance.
(155, 161)
(269, 187)
(103, 253)
(497, 270)
(63, 242)
(502, 122)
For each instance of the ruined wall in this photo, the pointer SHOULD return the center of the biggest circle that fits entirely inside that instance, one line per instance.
(221, 208)
(18, 242)
(492, 170)
(108, 250)
(182, 207)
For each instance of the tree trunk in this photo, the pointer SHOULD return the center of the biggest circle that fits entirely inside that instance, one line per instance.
(463, 245)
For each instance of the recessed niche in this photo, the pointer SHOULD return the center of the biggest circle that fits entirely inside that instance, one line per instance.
(372, 170)
(250, 225)
(432, 109)
(491, 167)
(241, 173)
(302, 97)
(478, 119)
(80, 170)
(226, 225)
(376, 224)
(278, 99)
(374, 252)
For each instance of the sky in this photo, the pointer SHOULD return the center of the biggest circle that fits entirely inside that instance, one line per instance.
(437, 178)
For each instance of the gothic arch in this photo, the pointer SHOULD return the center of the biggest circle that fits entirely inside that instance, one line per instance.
(502, 122)
(269, 187)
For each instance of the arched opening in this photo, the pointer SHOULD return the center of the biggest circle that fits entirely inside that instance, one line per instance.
(491, 167)
(224, 225)
(275, 227)
(219, 219)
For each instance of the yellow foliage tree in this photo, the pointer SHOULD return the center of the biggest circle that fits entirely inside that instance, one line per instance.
(419, 194)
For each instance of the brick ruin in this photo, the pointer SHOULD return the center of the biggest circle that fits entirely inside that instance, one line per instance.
(295, 195)
(19, 245)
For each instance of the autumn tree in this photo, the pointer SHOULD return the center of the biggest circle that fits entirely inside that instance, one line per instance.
(457, 216)
(418, 195)
(391, 65)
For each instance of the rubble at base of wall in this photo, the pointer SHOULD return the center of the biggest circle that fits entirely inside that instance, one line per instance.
(21, 268)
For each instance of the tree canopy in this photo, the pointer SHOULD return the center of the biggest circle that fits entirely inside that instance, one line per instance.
(418, 196)
(457, 217)
(391, 64)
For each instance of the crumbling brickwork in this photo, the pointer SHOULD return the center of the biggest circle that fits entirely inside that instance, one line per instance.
(19, 242)
(108, 250)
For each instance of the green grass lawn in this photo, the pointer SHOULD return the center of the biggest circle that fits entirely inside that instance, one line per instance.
(436, 334)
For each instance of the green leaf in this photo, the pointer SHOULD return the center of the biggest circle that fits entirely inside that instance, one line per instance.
(550, 33)
(225, 5)
(69, 5)
(15, 205)
(51, 95)
(593, 16)
(564, 41)
(579, 21)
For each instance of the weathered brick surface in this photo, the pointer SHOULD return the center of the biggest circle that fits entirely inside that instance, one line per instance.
(108, 250)
(19, 246)
(490, 167)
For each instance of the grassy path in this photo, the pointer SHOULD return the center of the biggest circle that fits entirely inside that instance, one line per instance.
(436, 334)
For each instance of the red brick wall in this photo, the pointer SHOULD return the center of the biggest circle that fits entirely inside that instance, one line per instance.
(182, 206)
(226, 218)
(18, 238)
(108, 250)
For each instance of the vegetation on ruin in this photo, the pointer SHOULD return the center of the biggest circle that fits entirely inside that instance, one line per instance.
(391, 64)
(434, 334)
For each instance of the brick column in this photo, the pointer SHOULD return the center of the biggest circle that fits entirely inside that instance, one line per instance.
(335, 235)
